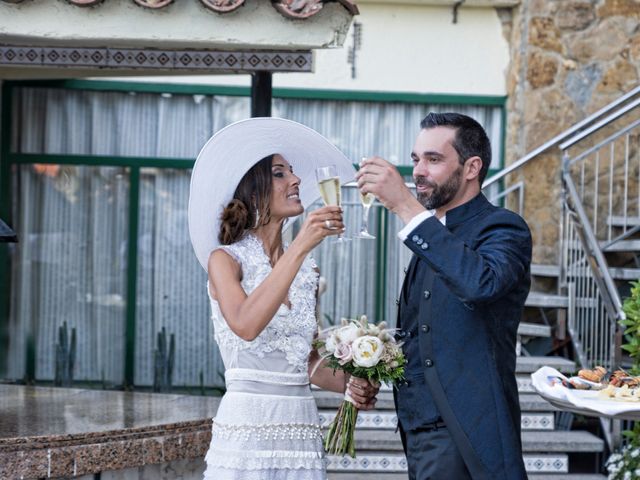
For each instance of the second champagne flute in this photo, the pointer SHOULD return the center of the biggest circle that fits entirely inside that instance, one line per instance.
(329, 186)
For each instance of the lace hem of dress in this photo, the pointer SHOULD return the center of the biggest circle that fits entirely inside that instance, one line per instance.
(278, 431)
(232, 474)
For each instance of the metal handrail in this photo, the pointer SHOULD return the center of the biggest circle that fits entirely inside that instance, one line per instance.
(597, 126)
(602, 276)
(560, 138)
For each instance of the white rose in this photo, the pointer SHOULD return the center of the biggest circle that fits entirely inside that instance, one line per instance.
(331, 343)
(347, 334)
(367, 351)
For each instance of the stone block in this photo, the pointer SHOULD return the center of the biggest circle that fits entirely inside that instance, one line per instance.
(580, 83)
(619, 78)
(634, 48)
(152, 451)
(575, 15)
(62, 460)
(604, 42)
(543, 33)
(625, 8)
(33, 464)
(542, 69)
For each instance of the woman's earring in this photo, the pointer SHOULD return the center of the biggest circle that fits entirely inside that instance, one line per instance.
(257, 219)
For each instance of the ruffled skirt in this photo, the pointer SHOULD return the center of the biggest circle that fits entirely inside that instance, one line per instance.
(266, 436)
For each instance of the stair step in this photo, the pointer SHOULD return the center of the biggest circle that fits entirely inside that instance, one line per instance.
(388, 420)
(622, 246)
(403, 476)
(529, 402)
(524, 365)
(624, 273)
(526, 329)
(622, 221)
(546, 300)
(393, 466)
(532, 402)
(531, 364)
(567, 476)
(532, 441)
(561, 441)
(545, 270)
(617, 273)
(330, 400)
(366, 476)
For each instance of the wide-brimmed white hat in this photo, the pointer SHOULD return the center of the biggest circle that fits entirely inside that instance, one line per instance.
(232, 151)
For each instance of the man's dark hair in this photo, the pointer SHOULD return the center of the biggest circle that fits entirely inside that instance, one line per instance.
(470, 140)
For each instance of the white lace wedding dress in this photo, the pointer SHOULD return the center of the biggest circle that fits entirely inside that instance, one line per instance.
(267, 425)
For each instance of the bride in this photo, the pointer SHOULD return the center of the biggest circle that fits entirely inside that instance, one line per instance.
(258, 174)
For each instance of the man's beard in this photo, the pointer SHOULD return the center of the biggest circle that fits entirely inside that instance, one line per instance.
(440, 194)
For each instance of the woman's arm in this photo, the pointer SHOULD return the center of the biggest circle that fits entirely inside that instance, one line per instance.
(359, 389)
(248, 315)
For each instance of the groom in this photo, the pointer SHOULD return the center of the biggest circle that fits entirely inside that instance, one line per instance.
(460, 306)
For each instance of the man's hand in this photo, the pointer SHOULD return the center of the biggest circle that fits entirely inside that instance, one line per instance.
(379, 177)
(363, 393)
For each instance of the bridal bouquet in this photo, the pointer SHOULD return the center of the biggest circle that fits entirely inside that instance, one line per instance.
(363, 350)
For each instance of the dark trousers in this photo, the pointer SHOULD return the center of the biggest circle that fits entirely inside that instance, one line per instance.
(432, 455)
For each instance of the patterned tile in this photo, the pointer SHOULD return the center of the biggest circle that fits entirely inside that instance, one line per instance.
(524, 383)
(20, 55)
(212, 60)
(366, 420)
(537, 421)
(367, 463)
(558, 463)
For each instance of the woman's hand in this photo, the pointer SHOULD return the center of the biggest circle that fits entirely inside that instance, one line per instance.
(363, 392)
(319, 224)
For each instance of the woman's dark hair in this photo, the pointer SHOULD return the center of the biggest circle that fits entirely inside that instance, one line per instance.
(470, 141)
(249, 208)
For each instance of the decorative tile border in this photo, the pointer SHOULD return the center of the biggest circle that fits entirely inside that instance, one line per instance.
(398, 463)
(546, 463)
(366, 420)
(367, 463)
(148, 59)
(537, 421)
(524, 384)
(388, 420)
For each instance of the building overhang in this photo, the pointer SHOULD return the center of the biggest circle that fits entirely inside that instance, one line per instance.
(61, 39)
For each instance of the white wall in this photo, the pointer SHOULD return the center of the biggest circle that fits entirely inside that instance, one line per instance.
(405, 48)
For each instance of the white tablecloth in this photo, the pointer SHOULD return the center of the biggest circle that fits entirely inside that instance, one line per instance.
(586, 402)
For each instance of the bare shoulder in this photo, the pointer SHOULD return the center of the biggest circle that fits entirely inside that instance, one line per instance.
(222, 262)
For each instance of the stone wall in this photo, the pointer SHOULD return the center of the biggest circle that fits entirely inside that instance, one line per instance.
(568, 59)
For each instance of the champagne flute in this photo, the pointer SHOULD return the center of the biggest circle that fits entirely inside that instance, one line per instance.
(367, 200)
(329, 186)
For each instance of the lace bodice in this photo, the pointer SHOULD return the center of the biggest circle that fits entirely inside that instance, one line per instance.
(284, 345)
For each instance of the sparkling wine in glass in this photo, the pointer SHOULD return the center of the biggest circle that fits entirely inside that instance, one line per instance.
(329, 186)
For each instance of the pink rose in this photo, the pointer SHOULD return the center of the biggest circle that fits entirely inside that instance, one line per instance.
(343, 353)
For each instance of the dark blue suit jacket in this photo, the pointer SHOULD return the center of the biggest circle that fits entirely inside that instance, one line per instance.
(481, 277)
